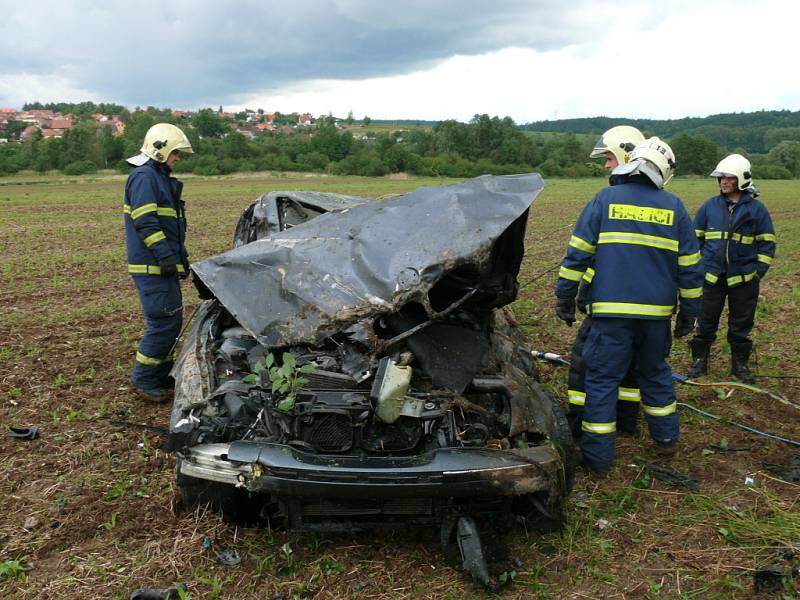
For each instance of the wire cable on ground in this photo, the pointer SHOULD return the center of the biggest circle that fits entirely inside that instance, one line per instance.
(740, 426)
(680, 378)
(540, 275)
(737, 385)
(560, 360)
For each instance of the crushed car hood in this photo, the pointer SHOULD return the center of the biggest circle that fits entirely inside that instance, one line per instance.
(309, 282)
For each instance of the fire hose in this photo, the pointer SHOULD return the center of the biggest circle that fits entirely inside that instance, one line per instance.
(680, 378)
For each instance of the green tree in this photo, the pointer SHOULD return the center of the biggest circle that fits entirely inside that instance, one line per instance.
(312, 161)
(111, 148)
(787, 155)
(235, 146)
(331, 143)
(139, 123)
(48, 154)
(366, 120)
(452, 136)
(773, 137)
(399, 158)
(13, 129)
(695, 154)
(210, 124)
(81, 143)
(9, 158)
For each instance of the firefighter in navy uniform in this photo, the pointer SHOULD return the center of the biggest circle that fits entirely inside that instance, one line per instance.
(737, 243)
(155, 232)
(614, 146)
(645, 253)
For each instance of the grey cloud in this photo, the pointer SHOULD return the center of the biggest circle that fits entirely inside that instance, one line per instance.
(188, 53)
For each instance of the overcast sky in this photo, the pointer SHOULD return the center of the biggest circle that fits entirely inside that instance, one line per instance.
(425, 59)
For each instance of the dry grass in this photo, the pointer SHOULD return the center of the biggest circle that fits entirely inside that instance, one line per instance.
(88, 507)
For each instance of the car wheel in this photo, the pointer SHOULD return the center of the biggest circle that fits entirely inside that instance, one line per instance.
(544, 511)
(562, 438)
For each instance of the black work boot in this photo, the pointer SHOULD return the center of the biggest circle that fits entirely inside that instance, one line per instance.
(627, 417)
(575, 420)
(740, 354)
(700, 350)
(156, 395)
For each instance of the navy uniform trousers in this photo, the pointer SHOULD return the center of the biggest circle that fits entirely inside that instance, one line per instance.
(628, 397)
(742, 302)
(162, 305)
(608, 353)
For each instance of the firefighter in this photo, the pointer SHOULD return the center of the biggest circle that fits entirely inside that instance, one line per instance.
(645, 253)
(155, 232)
(614, 146)
(737, 242)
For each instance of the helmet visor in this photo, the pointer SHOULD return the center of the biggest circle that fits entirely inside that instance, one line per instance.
(138, 159)
(600, 149)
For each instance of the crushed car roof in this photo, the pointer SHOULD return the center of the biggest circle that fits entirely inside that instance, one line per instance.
(304, 284)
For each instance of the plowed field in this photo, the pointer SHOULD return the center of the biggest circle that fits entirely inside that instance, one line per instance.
(89, 507)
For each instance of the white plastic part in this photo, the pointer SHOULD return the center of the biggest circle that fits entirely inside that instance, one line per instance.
(390, 399)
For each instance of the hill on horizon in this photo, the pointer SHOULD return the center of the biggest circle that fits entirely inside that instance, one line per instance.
(755, 132)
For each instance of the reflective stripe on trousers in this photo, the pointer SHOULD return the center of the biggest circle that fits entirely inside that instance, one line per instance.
(163, 313)
(151, 269)
(607, 354)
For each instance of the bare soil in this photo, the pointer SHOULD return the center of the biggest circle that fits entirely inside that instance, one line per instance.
(90, 509)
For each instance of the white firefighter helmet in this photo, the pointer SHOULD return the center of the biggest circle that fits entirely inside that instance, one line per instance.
(735, 165)
(653, 158)
(619, 140)
(159, 142)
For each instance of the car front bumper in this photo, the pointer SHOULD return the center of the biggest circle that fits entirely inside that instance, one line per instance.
(447, 472)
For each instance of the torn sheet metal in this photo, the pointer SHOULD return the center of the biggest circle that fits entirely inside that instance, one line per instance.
(303, 285)
(275, 211)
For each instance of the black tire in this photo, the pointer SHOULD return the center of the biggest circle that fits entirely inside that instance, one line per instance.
(562, 438)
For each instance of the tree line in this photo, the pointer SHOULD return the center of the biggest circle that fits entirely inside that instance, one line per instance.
(448, 148)
(754, 132)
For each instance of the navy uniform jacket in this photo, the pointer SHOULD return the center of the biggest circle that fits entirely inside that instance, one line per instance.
(644, 249)
(155, 221)
(736, 239)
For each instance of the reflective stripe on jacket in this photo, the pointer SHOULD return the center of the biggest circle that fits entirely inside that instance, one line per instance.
(736, 239)
(642, 246)
(155, 222)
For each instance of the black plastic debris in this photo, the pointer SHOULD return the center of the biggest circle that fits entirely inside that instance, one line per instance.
(790, 472)
(170, 593)
(23, 433)
(793, 473)
(474, 561)
(229, 557)
(671, 476)
(768, 579)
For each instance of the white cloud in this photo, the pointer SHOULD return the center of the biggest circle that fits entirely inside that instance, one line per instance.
(424, 59)
(28, 87)
(702, 59)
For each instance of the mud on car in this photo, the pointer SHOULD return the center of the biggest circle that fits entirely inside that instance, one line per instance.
(355, 366)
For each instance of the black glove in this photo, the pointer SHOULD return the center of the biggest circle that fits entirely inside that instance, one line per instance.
(565, 310)
(583, 293)
(683, 325)
(169, 267)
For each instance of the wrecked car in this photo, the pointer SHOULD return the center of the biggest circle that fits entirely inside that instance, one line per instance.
(356, 366)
